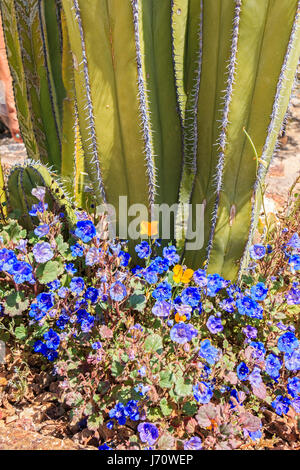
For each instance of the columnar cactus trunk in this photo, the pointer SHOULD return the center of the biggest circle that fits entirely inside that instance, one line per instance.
(127, 100)
(150, 99)
(253, 47)
(31, 68)
(37, 52)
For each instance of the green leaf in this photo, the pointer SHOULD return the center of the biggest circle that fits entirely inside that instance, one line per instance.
(21, 332)
(166, 441)
(154, 414)
(165, 407)
(94, 421)
(13, 232)
(182, 388)
(153, 343)
(166, 379)
(137, 302)
(62, 246)
(16, 303)
(4, 336)
(190, 409)
(48, 272)
(116, 368)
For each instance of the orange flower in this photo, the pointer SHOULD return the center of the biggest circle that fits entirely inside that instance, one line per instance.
(213, 425)
(182, 276)
(179, 318)
(149, 228)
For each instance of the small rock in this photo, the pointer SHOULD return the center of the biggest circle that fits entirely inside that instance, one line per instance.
(10, 419)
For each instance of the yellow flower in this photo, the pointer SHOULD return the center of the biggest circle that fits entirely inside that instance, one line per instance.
(179, 318)
(149, 228)
(182, 276)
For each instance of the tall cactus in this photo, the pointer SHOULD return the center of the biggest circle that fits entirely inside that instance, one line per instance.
(127, 98)
(156, 95)
(255, 54)
(36, 50)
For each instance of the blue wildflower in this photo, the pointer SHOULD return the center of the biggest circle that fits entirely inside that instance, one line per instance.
(182, 333)
(45, 301)
(39, 347)
(208, 352)
(191, 296)
(294, 262)
(281, 405)
(200, 278)
(132, 410)
(124, 258)
(77, 285)
(38, 208)
(162, 309)
(273, 366)
(42, 252)
(41, 230)
(257, 251)
(292, 360)
(250, 332)
(214, 324)
(117, 291)
(228, 305)
(85, 230)
(169, 253)
(163, 291)
(203, 392)
(259, 291)
(160, 265)
(296, 404)
(246, 306)
(214, 284)
(148, 432)
(259, 350)
(194, 443)
(76, 250)
(70, 268)
(54, 285)
(287, 342)
(293, 296)
(93, 256)
(255, 377)
(150, 274)
(52, 339)
(21, 272)
(118, 413)
(92, 294)
(104, 447)
(293, 386)
(62, 321)
(242, 371)
(62, 292)
(143, 250)
(294, 242)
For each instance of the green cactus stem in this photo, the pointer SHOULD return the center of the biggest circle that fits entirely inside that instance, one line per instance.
(24, 178)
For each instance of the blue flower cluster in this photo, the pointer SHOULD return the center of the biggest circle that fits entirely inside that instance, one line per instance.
(123, 412)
